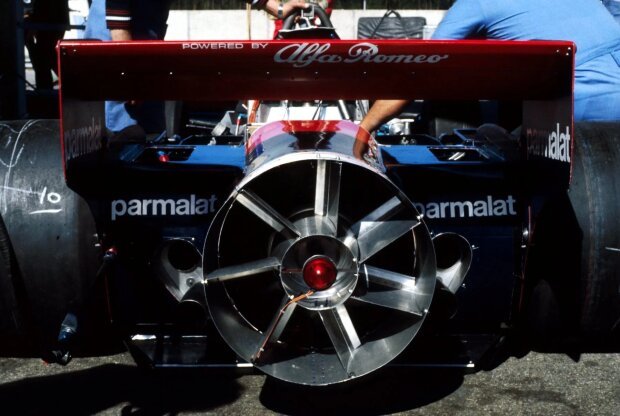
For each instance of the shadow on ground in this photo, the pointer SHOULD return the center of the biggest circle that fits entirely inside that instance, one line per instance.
(90, 391)
(391, 390)
(165, 392)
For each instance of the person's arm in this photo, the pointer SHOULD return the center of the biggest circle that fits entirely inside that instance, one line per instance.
(380, 112)
(118, 19)
(464, 19)
(272, 6)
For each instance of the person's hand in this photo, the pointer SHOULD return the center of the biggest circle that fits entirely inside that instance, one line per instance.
(288, 7)
(291, 5)
(360, 147)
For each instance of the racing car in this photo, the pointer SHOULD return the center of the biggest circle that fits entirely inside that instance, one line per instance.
(264, 230)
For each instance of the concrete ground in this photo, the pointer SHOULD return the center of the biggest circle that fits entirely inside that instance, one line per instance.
(537, 384)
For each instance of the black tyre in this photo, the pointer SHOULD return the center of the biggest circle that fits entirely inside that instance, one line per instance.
(12, 324)
(574, 264)
(48, 247)
(595, 197)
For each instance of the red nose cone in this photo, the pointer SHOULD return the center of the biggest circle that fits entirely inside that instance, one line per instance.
(320, 273)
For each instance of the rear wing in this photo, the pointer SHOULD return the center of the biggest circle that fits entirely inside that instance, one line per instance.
(537, 73)
(317, 69)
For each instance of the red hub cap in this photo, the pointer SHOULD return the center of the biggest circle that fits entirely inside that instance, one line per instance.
(319, 273)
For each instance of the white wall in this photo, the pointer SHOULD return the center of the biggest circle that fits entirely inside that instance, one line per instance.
(233, 24)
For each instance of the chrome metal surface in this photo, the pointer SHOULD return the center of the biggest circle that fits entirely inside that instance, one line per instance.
(376, 231)
(306, 248)
(318, 204)
(177, 277)
(266, 213)
(243, 270)
(327, 194)
(454, 256)
(342, 333)
(395, 291)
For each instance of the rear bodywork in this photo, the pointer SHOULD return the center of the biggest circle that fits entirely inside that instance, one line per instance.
(428, 229)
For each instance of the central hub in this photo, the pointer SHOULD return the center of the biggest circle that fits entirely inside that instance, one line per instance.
(322, 264)
(319, 272)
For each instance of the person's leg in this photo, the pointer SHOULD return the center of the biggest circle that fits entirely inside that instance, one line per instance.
(117, 117)
(149, 22)
(48, 62)
(149, 19)
(96, 27)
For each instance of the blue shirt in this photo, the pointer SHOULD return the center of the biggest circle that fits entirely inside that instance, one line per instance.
(614, 8)
(586, 22)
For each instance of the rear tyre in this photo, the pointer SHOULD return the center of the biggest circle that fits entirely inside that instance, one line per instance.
(48, 252)
(12, 323)
(574, 261)
(595, 197)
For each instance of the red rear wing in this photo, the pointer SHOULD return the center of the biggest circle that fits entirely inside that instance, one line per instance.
(300, 70)
(537, 73)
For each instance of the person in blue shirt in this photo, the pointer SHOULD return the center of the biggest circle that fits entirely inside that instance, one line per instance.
(122, 20)
(147, 22)
(585, 22)
(614, 8)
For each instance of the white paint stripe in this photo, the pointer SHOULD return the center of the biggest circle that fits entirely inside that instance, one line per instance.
(118, 18)
(46, 211)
